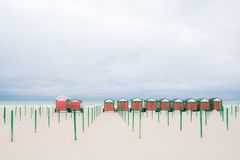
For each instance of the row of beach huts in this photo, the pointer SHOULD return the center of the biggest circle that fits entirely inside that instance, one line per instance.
(64, 103)
(163, 104)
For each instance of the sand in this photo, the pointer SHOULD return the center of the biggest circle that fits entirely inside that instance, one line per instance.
(109, 137)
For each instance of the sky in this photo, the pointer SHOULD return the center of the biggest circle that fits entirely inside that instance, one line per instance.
(91, 49)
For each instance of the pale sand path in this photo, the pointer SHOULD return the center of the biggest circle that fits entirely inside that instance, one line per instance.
(110, 138)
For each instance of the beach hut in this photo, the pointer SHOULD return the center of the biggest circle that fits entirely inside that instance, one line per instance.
(215, 103)
(151, 104)
(108, 105)
(62, 103)
(191, 104)
(177, 104)
(136, 104)
(164, 104)
(75, 104)
(203, 104)
(122, 104)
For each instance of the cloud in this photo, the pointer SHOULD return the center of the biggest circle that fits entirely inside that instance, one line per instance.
(119, 48)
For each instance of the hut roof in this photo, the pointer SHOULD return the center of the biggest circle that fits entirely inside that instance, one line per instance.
(164, 100)
(109, 100)
(137, 100)
(151, 100)
(122, 100)
(190, 100)
(62, 98)
(177, 100)
(216, 99)
(203, 100)
(75, 100)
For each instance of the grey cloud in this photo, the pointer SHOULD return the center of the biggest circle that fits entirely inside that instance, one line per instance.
(96, 49)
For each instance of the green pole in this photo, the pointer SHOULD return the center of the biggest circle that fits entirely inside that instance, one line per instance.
(83, 120)
(205, 118)
(92, 115)
(52, 110)
(11, 125)
(31, 112)
(35, 121)
(180, 118)
(158, 116)
(20, 113)
(133, 120)
(140, 124)
(191, 116)
(15, 111)
(25, 111)
(128, 117)
(48, 117)
(168, 118)
(58, 116)
(66, 115)
(201, 133)
(74, 123)
(227, 118)
(4, 115)
(147, 113)
(235, 112)
(231, 110)
(88, 117)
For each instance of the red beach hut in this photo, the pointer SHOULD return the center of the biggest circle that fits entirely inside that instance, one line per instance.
(191, 104)
(151, 104)
(203, 104)
(177, 104)
(75, 104)
(122, 104)
(216, 103)
(164, 104)
(108, 105)
(62, 103)
(136, 104)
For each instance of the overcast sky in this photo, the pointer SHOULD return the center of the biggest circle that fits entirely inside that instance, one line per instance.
(95, 49)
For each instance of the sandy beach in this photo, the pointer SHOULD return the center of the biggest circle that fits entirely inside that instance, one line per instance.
(110, 137)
